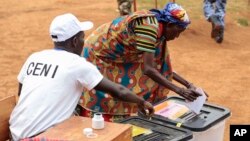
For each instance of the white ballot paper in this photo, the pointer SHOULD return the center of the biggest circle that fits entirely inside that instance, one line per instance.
(197, 104)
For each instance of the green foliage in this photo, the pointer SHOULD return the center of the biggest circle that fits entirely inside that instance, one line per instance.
(243, 22)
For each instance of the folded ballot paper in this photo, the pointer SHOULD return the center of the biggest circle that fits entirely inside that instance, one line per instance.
(197, 104)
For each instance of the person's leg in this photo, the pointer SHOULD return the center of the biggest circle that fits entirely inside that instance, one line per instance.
(124, 7)
(208, 9)
(217, 27)
(214, 12)
(220, 9)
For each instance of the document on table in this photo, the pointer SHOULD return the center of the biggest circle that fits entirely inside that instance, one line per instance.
(197, 104)
(139, 130)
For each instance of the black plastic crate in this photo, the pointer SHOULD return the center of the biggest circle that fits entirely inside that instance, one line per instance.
(160, 132)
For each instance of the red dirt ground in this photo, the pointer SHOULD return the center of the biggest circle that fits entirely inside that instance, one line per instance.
(220, 69)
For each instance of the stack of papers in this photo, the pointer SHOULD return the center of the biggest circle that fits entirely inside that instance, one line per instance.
(170, 109)
(174, 110)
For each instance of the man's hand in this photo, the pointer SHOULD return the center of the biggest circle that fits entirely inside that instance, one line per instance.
(146, 109)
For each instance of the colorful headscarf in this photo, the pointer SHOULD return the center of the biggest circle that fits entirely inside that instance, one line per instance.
(172, 13)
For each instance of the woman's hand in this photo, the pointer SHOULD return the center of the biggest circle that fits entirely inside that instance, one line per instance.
(188, 94)
(191, 86)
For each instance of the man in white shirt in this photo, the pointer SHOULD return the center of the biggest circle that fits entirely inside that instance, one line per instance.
(51, 81)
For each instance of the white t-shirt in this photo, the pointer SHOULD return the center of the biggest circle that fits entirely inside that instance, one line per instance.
(53, 81)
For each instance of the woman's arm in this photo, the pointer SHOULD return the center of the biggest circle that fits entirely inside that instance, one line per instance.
(181, 80)
(184, 82)
(151, 72)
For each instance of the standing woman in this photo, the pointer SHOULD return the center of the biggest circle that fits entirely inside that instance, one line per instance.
(132, 50)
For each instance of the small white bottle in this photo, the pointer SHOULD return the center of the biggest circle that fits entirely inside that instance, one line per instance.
(97, 121)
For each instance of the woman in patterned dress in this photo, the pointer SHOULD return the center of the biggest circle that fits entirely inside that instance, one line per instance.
(131, 50)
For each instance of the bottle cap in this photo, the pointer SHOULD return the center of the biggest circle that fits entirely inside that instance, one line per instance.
(87, 131)
(92, 135)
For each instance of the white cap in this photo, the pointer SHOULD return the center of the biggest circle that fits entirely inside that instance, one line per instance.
(66, 26)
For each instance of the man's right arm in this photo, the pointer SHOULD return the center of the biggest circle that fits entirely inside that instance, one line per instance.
(124, 94)
(90, 77)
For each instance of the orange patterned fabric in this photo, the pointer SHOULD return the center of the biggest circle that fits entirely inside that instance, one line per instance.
(111, 47)
(107, 117)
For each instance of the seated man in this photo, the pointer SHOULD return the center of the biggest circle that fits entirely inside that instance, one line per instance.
(51, 81)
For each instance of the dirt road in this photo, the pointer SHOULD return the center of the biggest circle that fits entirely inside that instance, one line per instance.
(221, 69)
